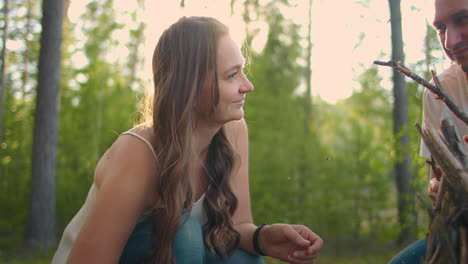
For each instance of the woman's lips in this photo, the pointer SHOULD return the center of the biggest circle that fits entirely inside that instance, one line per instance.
(239, 102)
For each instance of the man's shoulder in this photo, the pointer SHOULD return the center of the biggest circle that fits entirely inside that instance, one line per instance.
(452, 81)
(452, 78)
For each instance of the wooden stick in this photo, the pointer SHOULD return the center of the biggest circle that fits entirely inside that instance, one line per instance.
(433, 165)
(451, 166)
(441, 94)
(463, 245)
(425, 204)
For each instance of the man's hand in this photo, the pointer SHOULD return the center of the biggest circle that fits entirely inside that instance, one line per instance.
(434, 184)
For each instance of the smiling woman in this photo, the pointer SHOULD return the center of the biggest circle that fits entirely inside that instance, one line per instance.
(176, 188)
(233, 84)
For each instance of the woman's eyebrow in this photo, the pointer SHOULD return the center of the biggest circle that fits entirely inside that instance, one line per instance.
(235, 67)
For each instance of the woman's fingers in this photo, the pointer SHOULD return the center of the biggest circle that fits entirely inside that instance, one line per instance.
(294, 236)
(311, 252)
(305, 254)
(316, 242)
(297, 258)
(295, 244)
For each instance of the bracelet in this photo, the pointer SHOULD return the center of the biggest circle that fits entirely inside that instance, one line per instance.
(255, 240)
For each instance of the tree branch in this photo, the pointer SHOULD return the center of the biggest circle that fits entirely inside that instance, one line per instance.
(437, 90)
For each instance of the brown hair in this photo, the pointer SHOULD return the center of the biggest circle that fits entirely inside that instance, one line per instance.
(184, 63)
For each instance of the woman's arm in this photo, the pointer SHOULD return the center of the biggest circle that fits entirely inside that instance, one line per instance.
(125, 176)
(292, 243)
(237, 134)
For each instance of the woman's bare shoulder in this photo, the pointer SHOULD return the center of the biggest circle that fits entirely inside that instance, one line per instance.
(146, 131)
(129, 156)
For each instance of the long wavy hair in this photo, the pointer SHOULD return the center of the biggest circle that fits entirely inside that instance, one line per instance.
(184, 64)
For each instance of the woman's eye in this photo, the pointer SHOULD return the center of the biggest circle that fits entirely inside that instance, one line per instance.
(232, 75)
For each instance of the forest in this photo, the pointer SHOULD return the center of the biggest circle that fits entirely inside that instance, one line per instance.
(349, 169)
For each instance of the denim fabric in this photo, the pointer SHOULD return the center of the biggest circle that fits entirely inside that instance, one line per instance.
(138, 244)
(189, 247)
(239, 256)
(412, 254)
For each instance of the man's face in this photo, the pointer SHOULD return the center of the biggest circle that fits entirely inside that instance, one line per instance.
(451, 23)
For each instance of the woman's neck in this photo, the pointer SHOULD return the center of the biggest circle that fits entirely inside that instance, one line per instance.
(205, 134)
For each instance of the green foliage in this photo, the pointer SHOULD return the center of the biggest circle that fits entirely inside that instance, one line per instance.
(274, 156)
(16, 142)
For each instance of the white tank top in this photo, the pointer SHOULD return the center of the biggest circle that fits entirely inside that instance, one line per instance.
(73, 228)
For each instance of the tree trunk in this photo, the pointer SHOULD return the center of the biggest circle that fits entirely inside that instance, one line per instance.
(406, 211)
(40, 233)
(25, 77)
(3, 73)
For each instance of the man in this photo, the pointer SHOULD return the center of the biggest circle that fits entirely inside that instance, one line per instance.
(451, 23)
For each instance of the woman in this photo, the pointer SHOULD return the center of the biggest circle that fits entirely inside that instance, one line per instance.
(176, 189)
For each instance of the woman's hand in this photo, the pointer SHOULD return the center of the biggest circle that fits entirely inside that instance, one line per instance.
(292, 243)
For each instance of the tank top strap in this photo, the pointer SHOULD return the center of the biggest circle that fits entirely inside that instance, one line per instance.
(143, 139)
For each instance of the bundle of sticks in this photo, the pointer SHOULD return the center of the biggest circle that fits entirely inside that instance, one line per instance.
(448, 230)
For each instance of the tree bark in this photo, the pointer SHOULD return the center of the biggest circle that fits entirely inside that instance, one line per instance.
(40, 233)
(406, 212)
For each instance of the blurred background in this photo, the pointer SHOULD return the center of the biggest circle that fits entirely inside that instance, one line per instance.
(323, 148)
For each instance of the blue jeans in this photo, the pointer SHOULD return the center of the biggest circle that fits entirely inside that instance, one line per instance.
(412, 254)
(189, 247)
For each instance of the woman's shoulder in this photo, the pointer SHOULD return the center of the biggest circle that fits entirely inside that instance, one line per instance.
(131, 155)
(144, 130)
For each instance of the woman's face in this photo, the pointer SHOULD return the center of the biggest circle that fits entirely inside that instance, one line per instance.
(232, 82)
